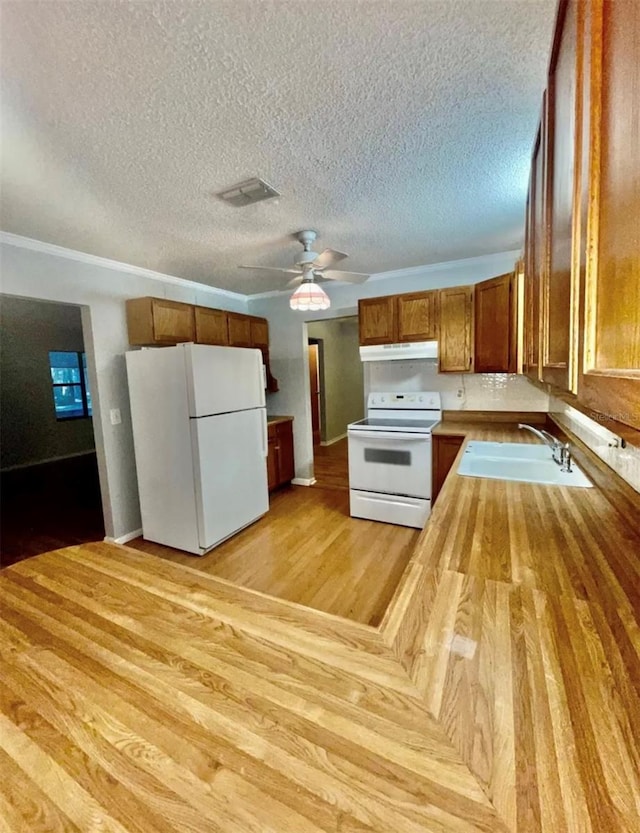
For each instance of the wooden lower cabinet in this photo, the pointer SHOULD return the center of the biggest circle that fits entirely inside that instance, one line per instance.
(280, 462)
(444, 451)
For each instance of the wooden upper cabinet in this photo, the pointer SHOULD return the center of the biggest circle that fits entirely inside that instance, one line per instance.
(259, 332)
(455, 348)
(537, 256)
(377, 320)
(239, 330)
(417, 315)
(610, 381)
(211, 326)
(495, 321)
(158, 321)
(562, 272)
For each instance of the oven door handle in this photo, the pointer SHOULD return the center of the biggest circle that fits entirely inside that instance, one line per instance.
(383, 436)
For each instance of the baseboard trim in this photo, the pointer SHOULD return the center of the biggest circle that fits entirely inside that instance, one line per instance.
(35, 463)
(123, 539)
(303, 481)
(334, 440)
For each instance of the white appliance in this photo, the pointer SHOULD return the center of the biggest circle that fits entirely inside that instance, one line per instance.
(408, 350)
(200, 440)
(390, 458)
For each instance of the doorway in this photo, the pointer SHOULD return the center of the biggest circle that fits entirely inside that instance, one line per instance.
(315, 351)
(48, 466)
(336, 385)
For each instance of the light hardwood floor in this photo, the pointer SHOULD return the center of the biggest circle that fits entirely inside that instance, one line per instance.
(309, 550)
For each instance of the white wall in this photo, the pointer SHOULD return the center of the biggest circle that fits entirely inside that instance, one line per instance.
(342, 382)
(31, 433)
(288, 351)
(459, 391)
(101, 287)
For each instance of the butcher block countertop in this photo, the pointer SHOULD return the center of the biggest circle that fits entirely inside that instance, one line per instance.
(501, 693)
(517, 619)
(274, 420)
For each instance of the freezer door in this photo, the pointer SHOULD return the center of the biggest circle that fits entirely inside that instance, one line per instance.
(223, 379)
(229, 453)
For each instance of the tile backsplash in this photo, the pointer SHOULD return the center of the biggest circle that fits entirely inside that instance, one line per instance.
(459, 391)
(624, 461)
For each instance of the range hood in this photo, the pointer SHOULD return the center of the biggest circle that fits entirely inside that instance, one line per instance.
(408, 350)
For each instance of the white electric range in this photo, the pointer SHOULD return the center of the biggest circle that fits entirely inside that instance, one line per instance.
(390, 458)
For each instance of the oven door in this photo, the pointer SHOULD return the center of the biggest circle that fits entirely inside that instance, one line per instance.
(390, 462)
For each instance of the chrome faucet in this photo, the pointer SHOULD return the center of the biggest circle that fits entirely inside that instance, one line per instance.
(561, 452)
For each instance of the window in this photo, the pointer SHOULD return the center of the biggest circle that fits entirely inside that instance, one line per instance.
(71, 394)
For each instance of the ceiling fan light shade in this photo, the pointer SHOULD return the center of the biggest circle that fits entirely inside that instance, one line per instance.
(309, 296)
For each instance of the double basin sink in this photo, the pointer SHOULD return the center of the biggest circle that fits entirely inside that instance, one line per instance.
(524, 462)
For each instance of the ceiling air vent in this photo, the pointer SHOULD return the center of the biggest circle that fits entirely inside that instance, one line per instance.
(248, 192)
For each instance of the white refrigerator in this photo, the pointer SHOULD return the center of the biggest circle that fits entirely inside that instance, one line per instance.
(200, 440)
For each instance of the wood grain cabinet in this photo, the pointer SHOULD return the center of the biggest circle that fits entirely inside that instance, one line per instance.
(212, 326)
(610, 355)
(258, 332)
(496, 325)
(377, 320)
(582, 244)
(280, 461)
(158, 321)
(455, 343)
(393, 318)
(239, 329)
(417, 316)
(445, 451)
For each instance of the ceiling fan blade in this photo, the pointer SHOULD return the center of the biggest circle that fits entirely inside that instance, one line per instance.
(272, 269)
(329, 256)
(294, 282)
(347, 277)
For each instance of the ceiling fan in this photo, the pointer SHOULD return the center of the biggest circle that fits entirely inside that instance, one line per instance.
(313, 267)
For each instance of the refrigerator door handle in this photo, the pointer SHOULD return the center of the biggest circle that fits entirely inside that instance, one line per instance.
(265, 438)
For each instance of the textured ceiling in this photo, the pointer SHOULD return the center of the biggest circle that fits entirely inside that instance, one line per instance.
(399, 129)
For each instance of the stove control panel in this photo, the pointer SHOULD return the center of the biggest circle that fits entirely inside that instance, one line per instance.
(420, 400)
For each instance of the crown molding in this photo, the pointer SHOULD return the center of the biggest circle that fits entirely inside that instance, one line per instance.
(494, 260)
(486, 261)
(446, 266)
(116, 265)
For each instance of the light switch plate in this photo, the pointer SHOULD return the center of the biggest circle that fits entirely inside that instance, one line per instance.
(115, 416)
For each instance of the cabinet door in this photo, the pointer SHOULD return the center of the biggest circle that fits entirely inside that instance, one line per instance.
(211, 326)
(562, 276)
(273, 480)
(172, 321)
(495, 319)
(418, 316)
(285, 446)
(157, 321)
(259, 332)
(239, 330)
(611, 364)
(536, 255)
(456, 329)
(377, 320)
(445, 451)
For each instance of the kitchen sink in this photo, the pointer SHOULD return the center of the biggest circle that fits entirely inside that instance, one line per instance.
(523, 462)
